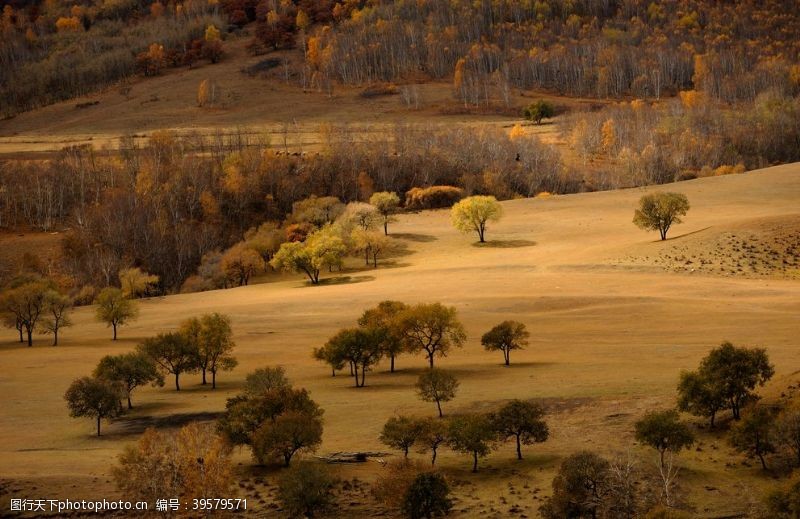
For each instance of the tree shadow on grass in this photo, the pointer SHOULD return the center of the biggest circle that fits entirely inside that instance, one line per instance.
(338, 280)
(505, 244)
(138, 424)
(409, 236)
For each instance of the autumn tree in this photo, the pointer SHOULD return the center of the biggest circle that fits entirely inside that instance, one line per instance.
(265, 239)
(386, 316)
(427, 497)
(245, 414)
(471, 434)
(240, 263)
(539, 110)
(524, 421)
(289, 433)
(55, 315)
(114, 309)
(130, 370)
(172, 352)
(473, 213)
(321, 249)
(400, 432)
(787, 432)
(266, 379)
(360, 216)
(212, 44)
(358, 347)
(754, 435)
(506, 336)
(387, 203)
(437, 385)
(726, 379)
(191, 463)
(373, 244)
(431, 434)
(135, 282)
(306, 490)
(660, 211)
(317, 211)
(93, 397)
(211, 338)
(25, 303)
(432, 328)
(579, 488)
(663, 431)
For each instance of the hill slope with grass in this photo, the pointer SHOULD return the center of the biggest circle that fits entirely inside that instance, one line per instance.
(611, 329)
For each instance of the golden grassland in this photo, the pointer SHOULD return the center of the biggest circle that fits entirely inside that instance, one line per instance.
(609, 338)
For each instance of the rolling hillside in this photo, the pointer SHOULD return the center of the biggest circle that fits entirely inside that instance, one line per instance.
(612, 327)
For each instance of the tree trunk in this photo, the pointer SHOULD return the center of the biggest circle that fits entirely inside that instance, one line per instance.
(204, 376)
(21, 337)
(287, 458)
(98, 425)
(519, 448)
(213, 379)
(374, 261)
(430, 359)
(391, 363)
(474, 461)
(439, 406)
(130, 405)
(433, 457)
(480, 235)
(385, 227)
(763, 463)
(30, 336)
(366, 256)
(177, 385)
(55, 337)
(506, 355)
(114, 326)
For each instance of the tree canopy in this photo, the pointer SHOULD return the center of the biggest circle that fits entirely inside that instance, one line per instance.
(473, 213)
(660, 211)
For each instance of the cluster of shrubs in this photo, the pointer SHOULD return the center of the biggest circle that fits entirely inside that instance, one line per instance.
(433, 197)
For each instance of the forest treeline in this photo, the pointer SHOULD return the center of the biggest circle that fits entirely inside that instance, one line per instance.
(165, 205)
(730, 51)
(52, 51)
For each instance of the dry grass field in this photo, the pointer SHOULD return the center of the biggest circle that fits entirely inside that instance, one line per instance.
(613, 322)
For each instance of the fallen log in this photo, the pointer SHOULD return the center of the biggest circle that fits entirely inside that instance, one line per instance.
(352, 457)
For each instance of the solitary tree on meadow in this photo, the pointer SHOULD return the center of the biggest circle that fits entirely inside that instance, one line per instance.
(94, 397)
(427, 497)
(660, 211)
(437, 385)
(506, 336)
(130, 370)
(473, 213)
(539, 110)
(114, 309)
(387, 203)
(432, 328)
(524, 421)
